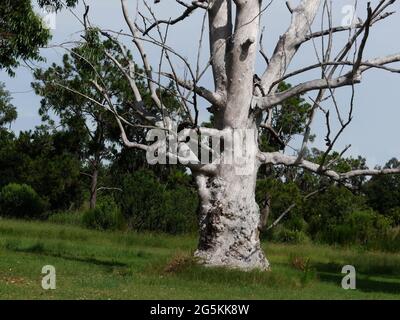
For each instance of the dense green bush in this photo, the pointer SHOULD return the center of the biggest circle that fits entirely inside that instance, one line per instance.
(387, 241)
(359, 227)
(329, 210)
(179, 210)
(149, 204)
(282, 195)
(383, 191)
(334, 216)
(106, 216)
(283, 234)
(140, 200)
(20, 201)
(394, 215)
(48, 162)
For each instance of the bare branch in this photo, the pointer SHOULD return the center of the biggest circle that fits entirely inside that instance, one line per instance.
(345, 80)
(139, 46)
(302, 17)
(183, 16)
(276, 158)
(344, 28)
(211, 97)
(220, 26)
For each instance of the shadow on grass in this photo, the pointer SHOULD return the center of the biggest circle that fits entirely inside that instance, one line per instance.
(39, 249)
(368, 268)
(331, 272)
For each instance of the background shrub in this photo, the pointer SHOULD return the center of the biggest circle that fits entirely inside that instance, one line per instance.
(20, 201)
(327, 213)
(394, 215)
(387, 241)
(282, 234)
(148, 204)
(179, 210)
(106, 216)
(358, 227)
(141, 199)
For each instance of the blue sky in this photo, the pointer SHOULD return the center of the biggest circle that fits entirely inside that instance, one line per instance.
(374, 132)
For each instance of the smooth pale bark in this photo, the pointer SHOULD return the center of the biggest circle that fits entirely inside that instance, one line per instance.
(229, 216)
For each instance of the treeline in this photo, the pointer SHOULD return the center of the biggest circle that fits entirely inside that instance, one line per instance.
(42, 177)
(365, 212)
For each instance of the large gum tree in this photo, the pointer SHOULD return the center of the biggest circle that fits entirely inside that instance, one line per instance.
(229, 217)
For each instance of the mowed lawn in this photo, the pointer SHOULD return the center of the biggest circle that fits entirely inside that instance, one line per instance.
(103, 265)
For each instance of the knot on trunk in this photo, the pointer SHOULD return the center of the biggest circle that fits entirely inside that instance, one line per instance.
(245, 46)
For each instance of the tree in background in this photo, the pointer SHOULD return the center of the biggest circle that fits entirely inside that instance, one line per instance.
(22, 32)
(303, 205)
(8, 112)
(46, 161)
(383, 193)
(96, 135)
(83, 70)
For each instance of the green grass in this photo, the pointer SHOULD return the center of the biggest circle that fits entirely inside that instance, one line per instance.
(102, 265)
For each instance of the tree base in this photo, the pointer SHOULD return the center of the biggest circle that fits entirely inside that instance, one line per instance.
(229, 219)
(256, 260)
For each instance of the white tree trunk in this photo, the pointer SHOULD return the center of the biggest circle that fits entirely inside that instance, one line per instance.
(229, 216)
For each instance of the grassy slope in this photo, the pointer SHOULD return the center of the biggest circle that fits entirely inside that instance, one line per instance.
(99, 265)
